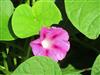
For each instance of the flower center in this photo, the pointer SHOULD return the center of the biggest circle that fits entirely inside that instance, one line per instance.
(46, 43)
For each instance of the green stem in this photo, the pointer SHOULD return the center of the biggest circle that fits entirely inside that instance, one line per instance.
(15, 61)
(5, 64)
(27, 48)
(2, 68)
(86, 69)
(28, 53)
(28, 2)
(33, 1)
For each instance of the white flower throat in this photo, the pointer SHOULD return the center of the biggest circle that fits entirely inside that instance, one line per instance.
(46, 43)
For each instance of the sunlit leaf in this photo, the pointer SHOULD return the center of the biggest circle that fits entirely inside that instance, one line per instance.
(6, 10)
(85, 16)
(70, 70)
(96, 66)
(28, 21)
(38, 65)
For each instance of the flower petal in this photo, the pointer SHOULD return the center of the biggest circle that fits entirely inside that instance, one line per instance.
(61, 45)
(56, 54)
(37, 49)
(43, 33)
(52, 55)
(57, 33)
(57, 38)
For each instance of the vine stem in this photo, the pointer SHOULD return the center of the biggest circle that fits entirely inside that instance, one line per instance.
(2, 68)
(27, 48)
(28, 2)
(7, 72)
(86, 69)
(28, 52)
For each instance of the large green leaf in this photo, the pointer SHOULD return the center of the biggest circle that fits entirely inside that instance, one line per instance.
(70, 70)
(28, 21)
(46, 13)
(85, 16)
(38, 65)
(6, 10)
(96, 66)
(23, 21)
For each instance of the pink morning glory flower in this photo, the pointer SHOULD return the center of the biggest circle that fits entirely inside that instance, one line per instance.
(53, 42)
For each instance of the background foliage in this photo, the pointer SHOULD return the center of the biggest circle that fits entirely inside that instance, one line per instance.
(20, 22)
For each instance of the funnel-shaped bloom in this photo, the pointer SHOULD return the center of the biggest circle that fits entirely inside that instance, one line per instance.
(53, 43)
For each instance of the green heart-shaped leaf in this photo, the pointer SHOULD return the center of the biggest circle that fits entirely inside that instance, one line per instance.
(23, 21)
(28, 21)
(70, 70)
(85, 16)
(38, 65)
(6, 10)
(96, 66)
